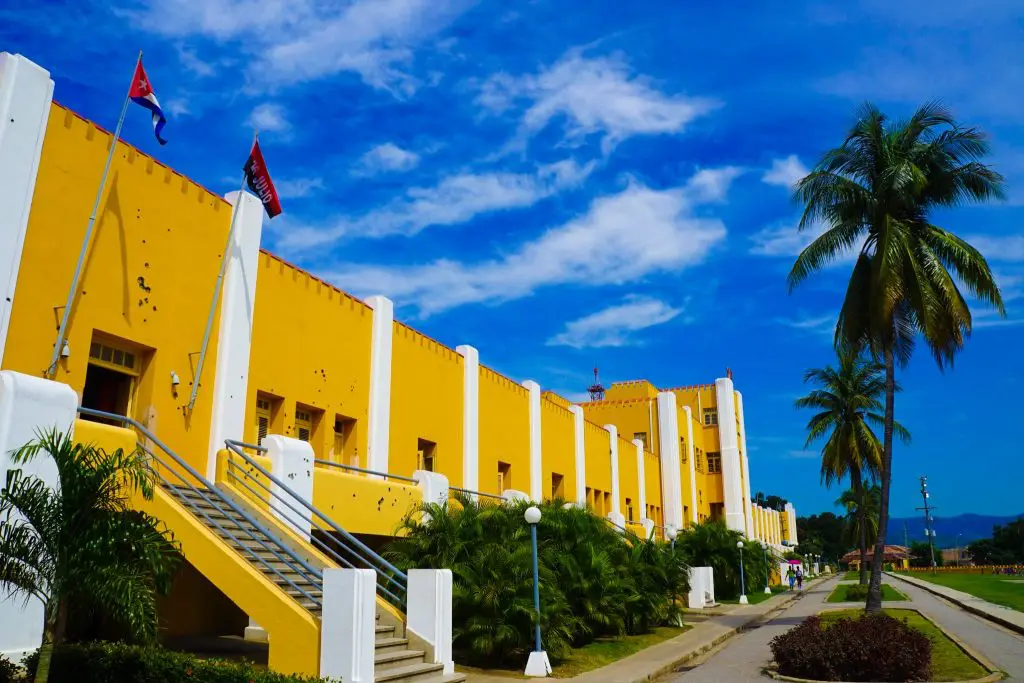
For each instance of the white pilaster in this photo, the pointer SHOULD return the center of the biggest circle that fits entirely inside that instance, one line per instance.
(641, 478)
(230, 383)
(791, 518)
(291, 462)
(430, 613)
(745, 469)
(691, 463)
(757, 522)
(732, 474)
(470, 417)
(777, 526)
(580, 453)
(348, 621)
(29, 405)
(379, 417)
(668, 433)
(536, 471)
(25, 95)
(613, 451)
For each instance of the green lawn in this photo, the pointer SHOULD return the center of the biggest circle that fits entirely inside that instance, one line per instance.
(888, 593)
(949, 662)
(1000, 589)
(756, 596)
(852, 576)
(604, 651)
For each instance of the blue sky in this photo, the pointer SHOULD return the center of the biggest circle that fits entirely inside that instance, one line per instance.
(565, 185)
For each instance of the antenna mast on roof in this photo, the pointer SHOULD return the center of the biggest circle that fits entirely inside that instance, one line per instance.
(596, 389)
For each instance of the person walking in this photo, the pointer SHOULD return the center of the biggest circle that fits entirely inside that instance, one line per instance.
(791, 575)
(799, 578)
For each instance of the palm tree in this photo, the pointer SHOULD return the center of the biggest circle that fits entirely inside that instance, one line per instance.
(81, 550)
(861, 527)
(875, 193)
(849, 402)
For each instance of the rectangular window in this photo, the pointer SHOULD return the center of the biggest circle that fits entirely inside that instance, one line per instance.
(426, 455)
(629, 510)
(589, 498)
(710, 416)
(303, 425)
(642, 436)
(698, 460)
(718, 511)
(345, 451)
(264, 415)
(504, 477)
(607, 503)
(557, 485)
(714, 463)
(682, 450)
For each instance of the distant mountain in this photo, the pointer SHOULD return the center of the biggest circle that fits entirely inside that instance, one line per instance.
(970, 527)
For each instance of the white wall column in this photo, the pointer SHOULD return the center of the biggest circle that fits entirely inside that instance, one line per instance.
(732, 470)
(430, 613)
(291, 462)
(613, 451)
(230, 384)
(536, 470)
(26, 91)
(744, 467)
(668, 433)
(580, 455)
(641, 478)
(348, 621)
(28, 405)
(791, 518)
(691, 455)
(379, 417)
(470, 417)
(777, 526)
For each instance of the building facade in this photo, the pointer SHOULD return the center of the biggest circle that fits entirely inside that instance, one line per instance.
(292, 355)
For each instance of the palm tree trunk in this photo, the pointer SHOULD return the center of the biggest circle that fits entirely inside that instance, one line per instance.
(874, 602)
(53, 634)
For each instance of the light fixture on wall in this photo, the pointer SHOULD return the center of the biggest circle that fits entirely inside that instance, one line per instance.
(175, 380)
(65, 350)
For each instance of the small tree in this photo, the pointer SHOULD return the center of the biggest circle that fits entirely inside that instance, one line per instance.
(81, 548)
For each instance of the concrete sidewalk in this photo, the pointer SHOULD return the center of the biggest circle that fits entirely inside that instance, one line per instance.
(663, 658)
(1004, 616)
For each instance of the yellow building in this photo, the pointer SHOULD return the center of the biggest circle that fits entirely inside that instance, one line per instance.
(377, 402)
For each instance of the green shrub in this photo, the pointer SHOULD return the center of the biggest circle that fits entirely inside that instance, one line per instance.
(9, 671)
(856, 593)
(100, 662)
(713, 544)
(872, 648)
(594, 580)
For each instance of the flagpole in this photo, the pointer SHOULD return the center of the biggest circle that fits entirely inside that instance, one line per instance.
(59, 345)
(216, 289)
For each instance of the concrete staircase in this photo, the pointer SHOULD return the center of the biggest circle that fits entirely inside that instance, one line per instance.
(394, 661)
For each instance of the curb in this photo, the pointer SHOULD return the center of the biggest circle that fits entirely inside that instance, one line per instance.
(994, 673)
(994, 618)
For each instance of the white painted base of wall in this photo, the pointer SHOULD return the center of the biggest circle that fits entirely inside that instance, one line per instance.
(538, 666)
(255, 633)
(767, 590)
(702, 588)
(513, 496)
(430, 612)
(291, 462)
(347, 632)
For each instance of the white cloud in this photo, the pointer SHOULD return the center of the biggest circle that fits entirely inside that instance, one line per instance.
(824, 325)
(785, 172)
(782, 240)
(803, 455)
(613, 325)
(297, 188)
(456, 199)
(192, 63)
(601, 247)
(387, 157)
(999, 247)
(293, 41)
(178, 106)
(269, 118)
(592, 96)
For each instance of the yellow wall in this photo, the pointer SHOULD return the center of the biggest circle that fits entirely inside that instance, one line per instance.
(599, 464)
(148, 278)
(630, 415)
(311, 346)
(558, 448)
(634, 388)
(362, 504)
(629, 487)
(504, 431)
(426, 403)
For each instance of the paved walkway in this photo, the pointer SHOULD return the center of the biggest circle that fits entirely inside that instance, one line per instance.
(1006, 616)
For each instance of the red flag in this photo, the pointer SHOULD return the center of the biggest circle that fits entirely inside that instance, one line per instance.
(258, 178)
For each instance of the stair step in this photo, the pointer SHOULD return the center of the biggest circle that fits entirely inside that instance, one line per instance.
(390, 644)
(420, 673)
(396, 659)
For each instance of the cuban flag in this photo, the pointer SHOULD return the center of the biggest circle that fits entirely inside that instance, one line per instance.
(142, 94)
(257, 177)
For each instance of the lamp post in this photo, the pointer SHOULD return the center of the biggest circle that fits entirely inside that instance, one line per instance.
(767, 572)
(538, 665)
(671, 532)
(743, 584)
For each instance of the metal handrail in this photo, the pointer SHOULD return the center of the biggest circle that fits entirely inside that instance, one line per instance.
(267, 498)
(368, 555)
(314, 577)
(471, 492)
(385, 475)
